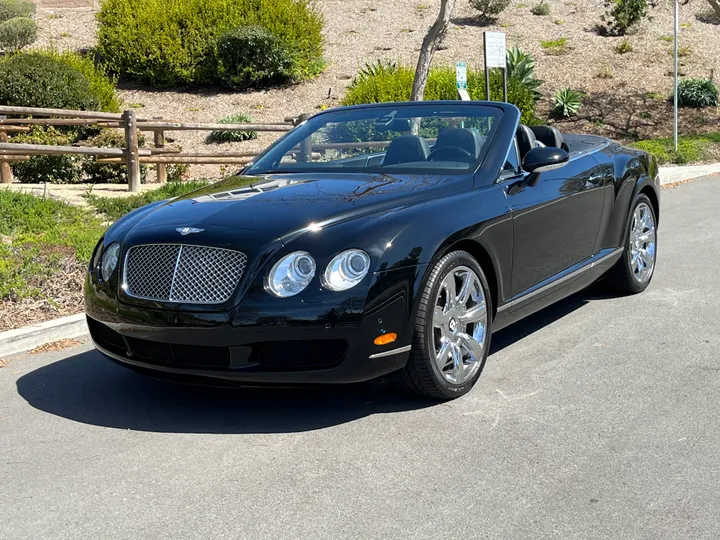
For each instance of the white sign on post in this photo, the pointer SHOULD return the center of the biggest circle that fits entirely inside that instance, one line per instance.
(461, 75)
(494, 50)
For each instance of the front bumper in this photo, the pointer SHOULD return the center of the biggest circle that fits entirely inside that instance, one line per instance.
(305, 342)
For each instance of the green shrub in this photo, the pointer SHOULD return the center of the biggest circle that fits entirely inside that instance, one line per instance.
(54, 80)
(697, 93)
(233, 136)
(567, 102)
(394, 83)
(543, 8)
(165, 42)
(102, 85)
(9, 9)
(17, 33)
(624, 46)
(488, 8)
(54, 169)
(249, 56)
(176, 172)
(622, 15)
(108, 173)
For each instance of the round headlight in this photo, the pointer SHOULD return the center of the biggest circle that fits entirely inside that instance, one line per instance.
(291, 274)
(346, 270)
(109, 261)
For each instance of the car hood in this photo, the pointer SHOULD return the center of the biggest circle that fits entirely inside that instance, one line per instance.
(286, 205)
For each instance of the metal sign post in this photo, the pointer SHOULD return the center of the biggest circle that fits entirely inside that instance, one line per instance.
(675, 82)
(495, 57)
(461, 80)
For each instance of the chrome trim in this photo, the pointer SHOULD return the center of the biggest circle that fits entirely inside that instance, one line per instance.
(392, 352)
(127, 292)
(561, 280)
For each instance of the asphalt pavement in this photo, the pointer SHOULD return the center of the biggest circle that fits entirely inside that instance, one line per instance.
(596, 418)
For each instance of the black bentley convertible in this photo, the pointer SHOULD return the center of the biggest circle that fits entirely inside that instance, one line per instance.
(374, 240)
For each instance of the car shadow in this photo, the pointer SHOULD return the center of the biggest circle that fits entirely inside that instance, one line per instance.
(90, 389)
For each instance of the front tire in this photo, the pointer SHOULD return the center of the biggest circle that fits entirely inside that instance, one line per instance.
(452, 330)
(634, 271)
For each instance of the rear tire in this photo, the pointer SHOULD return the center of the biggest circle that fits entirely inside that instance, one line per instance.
(634, 271)
(452, 330)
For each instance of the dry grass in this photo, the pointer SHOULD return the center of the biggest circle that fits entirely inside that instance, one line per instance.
(56, 346)
(359, 31)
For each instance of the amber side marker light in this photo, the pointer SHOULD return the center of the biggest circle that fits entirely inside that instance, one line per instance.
(385, 339)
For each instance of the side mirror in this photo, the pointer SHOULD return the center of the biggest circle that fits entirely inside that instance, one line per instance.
(544, 159)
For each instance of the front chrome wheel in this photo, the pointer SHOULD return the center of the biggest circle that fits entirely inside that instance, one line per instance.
(459, 325)
(642, 243)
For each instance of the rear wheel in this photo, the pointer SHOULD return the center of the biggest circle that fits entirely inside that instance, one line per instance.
(634, 271)
(452, 330)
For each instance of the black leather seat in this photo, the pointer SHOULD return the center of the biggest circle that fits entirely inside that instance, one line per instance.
(550, 136)
(466, 139)
(406, 149)
(525, 139)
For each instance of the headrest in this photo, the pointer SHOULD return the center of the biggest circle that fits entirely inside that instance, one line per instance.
(405, 149)
(525, 140)
(467, 139)
(549, 136)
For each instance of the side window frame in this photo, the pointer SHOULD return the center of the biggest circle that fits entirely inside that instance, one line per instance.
(513, 150)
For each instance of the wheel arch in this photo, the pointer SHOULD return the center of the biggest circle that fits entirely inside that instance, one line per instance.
(483, 258)
(650, 193)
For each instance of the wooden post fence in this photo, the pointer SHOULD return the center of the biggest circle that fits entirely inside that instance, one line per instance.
(161, 168)
(132, 150)
(131, 156)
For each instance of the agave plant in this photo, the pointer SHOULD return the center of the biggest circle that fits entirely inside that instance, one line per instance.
(567, 102)
(521, 67)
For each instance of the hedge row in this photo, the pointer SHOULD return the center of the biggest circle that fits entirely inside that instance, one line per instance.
(171, 42)
(387, 83)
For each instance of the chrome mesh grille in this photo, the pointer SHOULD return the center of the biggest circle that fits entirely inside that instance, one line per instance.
(183, 273)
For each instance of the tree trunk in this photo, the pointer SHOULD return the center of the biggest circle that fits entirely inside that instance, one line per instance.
(428, 47)
(716, 6)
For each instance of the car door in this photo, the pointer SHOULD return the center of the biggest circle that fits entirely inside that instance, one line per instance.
(556, 218)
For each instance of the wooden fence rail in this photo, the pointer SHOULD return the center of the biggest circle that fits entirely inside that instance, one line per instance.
(131, 155)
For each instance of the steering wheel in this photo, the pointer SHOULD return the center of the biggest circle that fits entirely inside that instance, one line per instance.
(451, 151)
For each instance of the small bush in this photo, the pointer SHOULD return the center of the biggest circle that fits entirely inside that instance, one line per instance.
(555, 47)
(487, 9)
(623, 46)
(697, 93)
(9, 9)
(54, 169)
(683, 50)
(17, 33)
(567, 102)
(166, 43)
(53, 80)
(622, 15)
(394, 83)
(605, 72)
(543, 8)
(249, 56)
(177, 172)
(233, 136)
(108, 173)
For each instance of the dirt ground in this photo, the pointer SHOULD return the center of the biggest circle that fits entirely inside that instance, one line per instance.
(360, 31)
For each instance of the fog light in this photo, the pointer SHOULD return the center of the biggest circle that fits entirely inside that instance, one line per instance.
(385, 339)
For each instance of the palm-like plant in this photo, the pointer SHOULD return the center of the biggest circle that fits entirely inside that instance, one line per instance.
(567, 102)
(520, 66)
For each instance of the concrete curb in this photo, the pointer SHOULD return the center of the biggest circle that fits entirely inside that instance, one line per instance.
(669, 175)
(29, 337)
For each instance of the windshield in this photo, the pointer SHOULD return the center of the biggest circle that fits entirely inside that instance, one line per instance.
(436, 138)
